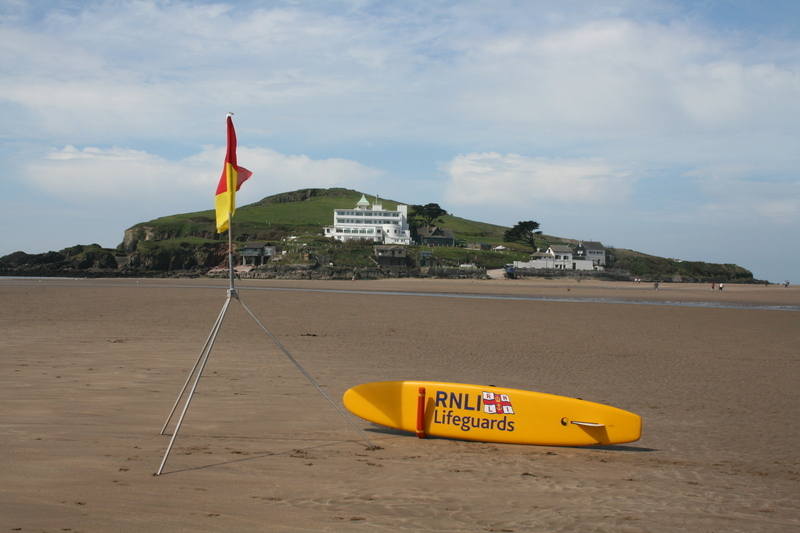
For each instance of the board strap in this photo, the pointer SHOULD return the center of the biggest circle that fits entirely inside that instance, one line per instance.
(421, 413)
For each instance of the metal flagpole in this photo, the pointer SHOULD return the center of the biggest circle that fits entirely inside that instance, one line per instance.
(231, 290)
(204, 359)
(214, 328)
(204, 355)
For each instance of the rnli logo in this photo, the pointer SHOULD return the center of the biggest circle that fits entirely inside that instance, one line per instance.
(497, 404)
(451, 408)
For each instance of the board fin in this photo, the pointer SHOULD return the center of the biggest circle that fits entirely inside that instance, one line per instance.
(588, 424)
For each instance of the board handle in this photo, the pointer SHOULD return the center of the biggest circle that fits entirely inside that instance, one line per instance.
(421, 413)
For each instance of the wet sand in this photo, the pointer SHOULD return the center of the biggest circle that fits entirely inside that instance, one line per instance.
(89, 370)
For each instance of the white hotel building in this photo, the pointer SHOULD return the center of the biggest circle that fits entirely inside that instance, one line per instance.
(370, 223)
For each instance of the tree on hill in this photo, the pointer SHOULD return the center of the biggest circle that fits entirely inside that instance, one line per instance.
(524, 231)
(429, 213)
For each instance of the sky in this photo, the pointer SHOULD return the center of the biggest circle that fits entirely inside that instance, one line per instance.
(671, 128)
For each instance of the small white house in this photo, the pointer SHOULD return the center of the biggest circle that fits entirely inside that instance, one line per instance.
(560, 252)
(557, 257)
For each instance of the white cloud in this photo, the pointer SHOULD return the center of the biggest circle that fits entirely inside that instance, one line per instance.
(93, 173)
(617, 78)
(151, 69)
(737, 195)
(494, 179)
(121, 175)
(280, 172)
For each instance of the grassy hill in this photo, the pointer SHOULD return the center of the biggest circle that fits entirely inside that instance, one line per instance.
(188, 242)
(654, 267)
(304, 211)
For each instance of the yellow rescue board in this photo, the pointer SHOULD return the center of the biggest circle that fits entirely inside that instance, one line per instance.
(492, 414)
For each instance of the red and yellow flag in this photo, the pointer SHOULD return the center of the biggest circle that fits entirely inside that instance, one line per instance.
(229, 182)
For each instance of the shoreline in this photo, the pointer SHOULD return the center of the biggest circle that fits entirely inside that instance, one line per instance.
(737, 296)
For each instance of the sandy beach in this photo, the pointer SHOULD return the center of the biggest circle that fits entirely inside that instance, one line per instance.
(90, 368)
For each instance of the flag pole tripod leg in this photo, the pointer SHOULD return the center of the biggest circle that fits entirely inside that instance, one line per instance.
(214, 328)
(305, 373)
(204, 360)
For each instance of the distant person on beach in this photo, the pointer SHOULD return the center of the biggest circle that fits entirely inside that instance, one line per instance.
(713, 285)
(655, 285)
(721, 286)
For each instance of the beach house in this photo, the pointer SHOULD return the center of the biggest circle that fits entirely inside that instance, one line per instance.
(558, 257)
(593, 251)
(256, 253)
(436, 236)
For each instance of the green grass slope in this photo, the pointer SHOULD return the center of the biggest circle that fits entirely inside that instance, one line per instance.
(192, 236)
(296, 212)
(473, 231)
(662, 268)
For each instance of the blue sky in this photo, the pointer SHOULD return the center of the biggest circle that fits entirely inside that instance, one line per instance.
(668, 127)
